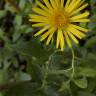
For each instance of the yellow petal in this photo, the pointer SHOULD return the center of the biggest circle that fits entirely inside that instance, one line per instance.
(67, 3)
(76, 32)
(47, 4)
(58, 38)
(77, 5)
(73, 38)
(36, 16)
(39, 24)
(42, 6)
(62, 3)
(40, 11)
(79, 28)
(73, 5)
(80, 16)
(79, 9)
(81, 20)
(82, 1)
(62, 44)
(39, 20)
(45, 35)
(57, 2)
(50, 36)
(53, 3)
(67, 39)
(61, 40)
(41, 31)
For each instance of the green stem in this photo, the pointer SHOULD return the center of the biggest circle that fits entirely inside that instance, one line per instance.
(72, 66)
(47, 71)
(60, 71)
(45, 76)
(77, 58)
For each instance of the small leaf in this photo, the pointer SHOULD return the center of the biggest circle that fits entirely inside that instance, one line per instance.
(23, 89)
(88, 72)
(31, 48)
(23, 76)
(84, 93)
(16, 36)
(82, 83)
(18, 21)
(91, 42)
(2, 13)
(22, 4)
(65, 86)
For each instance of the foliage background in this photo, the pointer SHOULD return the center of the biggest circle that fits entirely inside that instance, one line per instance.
(29, 68)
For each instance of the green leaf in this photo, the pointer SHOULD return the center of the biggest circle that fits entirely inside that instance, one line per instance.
(22, 4)
(35, 71)
(91, 42)
(3, 76)
(82, 83)
(2, 13)
(1, 94)
(84, 93)
(50, 91)
(16, 36)
(65, 86)
(18, 21)
(1, 33)
(22, 76)
(23, 89)
(88, 72)
(31, 48)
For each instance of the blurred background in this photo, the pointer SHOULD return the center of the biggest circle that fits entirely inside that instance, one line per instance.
(29, 68)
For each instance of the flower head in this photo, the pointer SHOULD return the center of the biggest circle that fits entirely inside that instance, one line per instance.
(58, 20)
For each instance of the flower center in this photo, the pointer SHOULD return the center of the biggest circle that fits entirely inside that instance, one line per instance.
(59, 19)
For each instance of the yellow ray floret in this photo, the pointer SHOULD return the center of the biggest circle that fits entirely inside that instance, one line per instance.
(73, 37)
(67, 39)
(79, 9)
(80, 16)
(59, 19)
(42, 6)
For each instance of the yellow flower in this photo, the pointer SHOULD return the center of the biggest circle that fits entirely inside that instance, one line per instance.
(58, 20)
